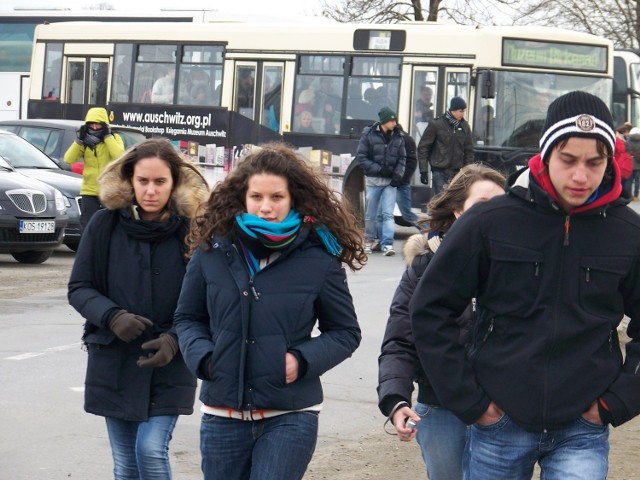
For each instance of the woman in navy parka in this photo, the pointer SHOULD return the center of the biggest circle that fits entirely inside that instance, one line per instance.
(267, 269)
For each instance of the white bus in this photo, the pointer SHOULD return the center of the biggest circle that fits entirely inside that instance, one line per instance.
(626, 87)
(315, 85)
(16, 44)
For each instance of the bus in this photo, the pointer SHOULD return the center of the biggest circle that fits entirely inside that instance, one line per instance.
(626, 87)
(16, 44)
(314, 86)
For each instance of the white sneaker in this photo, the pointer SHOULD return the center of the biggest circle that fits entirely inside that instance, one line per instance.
(388, 251)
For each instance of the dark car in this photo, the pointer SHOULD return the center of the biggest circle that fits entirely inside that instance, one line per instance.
(32, 216)
(31, 162)
(54, 137)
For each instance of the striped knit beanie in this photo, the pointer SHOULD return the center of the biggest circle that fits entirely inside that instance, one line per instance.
(577, 114)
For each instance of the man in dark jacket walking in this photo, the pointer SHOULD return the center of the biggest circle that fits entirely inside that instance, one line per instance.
(382, 156)
(446, 145)
(554, 267)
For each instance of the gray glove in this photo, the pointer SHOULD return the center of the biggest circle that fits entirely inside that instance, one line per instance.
(166, 348)
(128, 326)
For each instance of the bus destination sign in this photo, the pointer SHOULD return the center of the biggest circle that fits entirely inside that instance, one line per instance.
(529, 53)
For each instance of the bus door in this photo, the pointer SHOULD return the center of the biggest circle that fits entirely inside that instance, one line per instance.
(424, 96)
(258, 97)
(86, 83)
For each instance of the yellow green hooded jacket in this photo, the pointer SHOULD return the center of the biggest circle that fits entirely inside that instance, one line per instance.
(95, 160)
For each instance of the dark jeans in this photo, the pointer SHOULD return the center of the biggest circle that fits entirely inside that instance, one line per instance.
(90, 205)
(279, 447)
(636, 182)
(440, 177)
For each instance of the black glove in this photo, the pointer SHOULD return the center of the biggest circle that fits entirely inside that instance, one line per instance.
(128, 326)
(166, 348)
(106, 129)
(386, 171)
(396, 180)
(81, 133)
(424, 178)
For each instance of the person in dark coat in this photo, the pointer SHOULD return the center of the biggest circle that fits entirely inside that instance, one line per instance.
(554, 268)
(125, 282)
(446, 146)
(266, 271)
(441, 435)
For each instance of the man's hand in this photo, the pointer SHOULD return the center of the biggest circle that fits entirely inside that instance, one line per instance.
(386, 171)
(593, 414)
(491, 415)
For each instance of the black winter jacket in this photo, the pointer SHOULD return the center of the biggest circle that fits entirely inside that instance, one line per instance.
(374, 152)
(398, 364)
(551, 290)
(442, 146)
(245, 325)
(143, 278)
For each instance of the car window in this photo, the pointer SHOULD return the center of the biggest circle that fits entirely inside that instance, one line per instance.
(35, 135)
(22, 154)
(53, 144)
(9, 128)
(129, 138)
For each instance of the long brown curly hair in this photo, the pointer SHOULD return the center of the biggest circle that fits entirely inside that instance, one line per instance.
(310, 195)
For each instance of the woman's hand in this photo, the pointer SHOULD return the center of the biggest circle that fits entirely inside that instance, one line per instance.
(399, 420)
(290, 367)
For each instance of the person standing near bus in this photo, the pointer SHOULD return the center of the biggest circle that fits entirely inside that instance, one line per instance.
(98, 147)
(445, 146)
(266, 270)
(554, 267)
(125, 282)
(382, 156)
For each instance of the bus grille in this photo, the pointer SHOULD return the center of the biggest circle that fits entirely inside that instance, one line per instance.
(29, 201)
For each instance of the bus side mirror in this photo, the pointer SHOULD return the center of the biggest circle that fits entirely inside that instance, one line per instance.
(487, 83)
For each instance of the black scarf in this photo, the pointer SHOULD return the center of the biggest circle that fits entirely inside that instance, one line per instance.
(451, 119)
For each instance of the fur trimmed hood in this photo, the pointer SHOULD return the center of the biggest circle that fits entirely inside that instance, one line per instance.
(116, 192)
(420, 244)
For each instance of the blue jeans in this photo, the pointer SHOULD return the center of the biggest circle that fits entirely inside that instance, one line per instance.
(442, 438)
(385, 199)
(278, 447)
(439, 178)
(504, 450)
(403, 198)
(141, 449)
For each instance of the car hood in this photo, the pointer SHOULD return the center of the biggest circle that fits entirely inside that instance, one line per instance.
(11, 180)
(68, 183)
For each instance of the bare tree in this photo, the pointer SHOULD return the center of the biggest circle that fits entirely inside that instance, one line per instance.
(374, 11)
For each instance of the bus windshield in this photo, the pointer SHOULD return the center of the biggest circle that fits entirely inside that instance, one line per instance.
(514, 117)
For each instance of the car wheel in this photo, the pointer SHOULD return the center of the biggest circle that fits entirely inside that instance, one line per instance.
(32, 256)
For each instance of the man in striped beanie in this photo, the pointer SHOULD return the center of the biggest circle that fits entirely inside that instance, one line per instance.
(553, 267)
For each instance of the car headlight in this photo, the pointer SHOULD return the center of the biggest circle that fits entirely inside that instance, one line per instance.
(59, 200)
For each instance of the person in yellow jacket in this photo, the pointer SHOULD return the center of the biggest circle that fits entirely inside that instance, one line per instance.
(98, 146)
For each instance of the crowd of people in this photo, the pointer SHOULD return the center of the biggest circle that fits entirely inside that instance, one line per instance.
(506, 300)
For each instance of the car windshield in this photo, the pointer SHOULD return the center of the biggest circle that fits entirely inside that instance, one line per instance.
(21, 154)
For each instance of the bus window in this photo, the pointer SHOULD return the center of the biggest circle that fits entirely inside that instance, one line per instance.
(425, 86)
(122, 73)
(75, 81)
(245, 90)
(271, 97)
(457, 85)
(52, 72)
(154, 74)
(200, 67)
(98, 82)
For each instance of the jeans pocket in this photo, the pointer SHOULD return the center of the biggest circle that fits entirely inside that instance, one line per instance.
(498, 424)
(589, 424)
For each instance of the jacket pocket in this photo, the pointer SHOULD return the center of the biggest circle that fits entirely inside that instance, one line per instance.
(514, 279)
(600, 279)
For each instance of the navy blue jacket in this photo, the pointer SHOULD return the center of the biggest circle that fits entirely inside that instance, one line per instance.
(246, 325)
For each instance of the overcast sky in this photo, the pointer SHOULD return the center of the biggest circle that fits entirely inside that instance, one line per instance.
(270, 7)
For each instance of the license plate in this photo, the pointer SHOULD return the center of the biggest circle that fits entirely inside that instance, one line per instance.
(36, 226)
